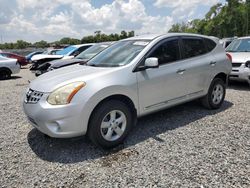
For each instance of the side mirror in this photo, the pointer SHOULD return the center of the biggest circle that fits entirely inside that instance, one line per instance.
(151, 62)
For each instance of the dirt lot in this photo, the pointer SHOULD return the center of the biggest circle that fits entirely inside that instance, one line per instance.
(186, 146)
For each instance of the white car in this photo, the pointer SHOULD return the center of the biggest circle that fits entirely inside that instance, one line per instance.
(226, 41)
(67, 53)
(8, 66)
(239, 51)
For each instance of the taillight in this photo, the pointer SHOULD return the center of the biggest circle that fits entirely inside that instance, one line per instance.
(230, 57)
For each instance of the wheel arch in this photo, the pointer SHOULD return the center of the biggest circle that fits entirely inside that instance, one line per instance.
(222, 76)
(5, 69)
(119, 97)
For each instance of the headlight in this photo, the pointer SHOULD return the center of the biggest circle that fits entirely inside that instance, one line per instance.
(64, 94)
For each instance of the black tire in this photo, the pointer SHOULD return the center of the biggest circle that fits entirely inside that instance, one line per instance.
(208, 102)
(5, 74)
(95, 132)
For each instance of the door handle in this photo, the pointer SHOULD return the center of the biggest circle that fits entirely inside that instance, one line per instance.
(212, 63)
(181, 71)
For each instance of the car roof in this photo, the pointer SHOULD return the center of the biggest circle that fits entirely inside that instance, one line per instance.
(80, 45)
(154, 36)
(246, 37)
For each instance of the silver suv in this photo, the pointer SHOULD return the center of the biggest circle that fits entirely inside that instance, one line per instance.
(131, 78)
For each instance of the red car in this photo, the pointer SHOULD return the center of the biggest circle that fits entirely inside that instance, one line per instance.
(20, 59)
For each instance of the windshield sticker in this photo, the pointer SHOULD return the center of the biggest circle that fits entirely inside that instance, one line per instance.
(141, 43)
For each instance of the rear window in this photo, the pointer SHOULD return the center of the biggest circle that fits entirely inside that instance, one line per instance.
(210, 44)
(193, 47)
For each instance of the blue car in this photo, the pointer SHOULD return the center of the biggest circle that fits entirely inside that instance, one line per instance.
(30, 55)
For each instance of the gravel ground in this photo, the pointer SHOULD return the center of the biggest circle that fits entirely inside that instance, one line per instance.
(185, 146)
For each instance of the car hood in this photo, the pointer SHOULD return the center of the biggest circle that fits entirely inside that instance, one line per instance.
(52, 80)
(240, 57)
(44, 56)
(63, 62)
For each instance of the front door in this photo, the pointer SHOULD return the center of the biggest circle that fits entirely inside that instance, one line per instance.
(165, 85)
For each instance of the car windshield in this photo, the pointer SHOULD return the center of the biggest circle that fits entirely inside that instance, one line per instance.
(239, 45)
(119, 54)
(66, 50)
(92, 51)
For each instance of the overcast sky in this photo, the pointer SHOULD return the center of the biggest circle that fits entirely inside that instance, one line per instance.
(35, 20)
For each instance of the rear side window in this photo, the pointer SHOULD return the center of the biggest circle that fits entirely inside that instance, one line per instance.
(193, 47)
(167, 52)
(210, 44)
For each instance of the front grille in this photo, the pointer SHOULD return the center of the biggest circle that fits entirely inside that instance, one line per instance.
(236, 64)
(235, 70)
(33, 96)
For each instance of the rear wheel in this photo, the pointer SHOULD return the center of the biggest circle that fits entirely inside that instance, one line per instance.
(110, 124)
(216, 94)
(5, 74)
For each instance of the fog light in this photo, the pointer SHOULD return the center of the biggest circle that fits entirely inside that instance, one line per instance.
(54, 127)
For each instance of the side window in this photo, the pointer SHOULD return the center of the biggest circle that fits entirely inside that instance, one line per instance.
(167, 52)
(83, 48)
(4, 55)
(193, 47)
(210, 44)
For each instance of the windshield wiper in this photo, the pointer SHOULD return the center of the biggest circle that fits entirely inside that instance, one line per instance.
(83, 63)
(103, 65)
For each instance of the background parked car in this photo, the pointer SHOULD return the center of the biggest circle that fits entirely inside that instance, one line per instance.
(67, 53)
(239, 51)
(8, 66)
(52, 51)
(21, 59)
(226, 41)
(81, 58)
(29, 56)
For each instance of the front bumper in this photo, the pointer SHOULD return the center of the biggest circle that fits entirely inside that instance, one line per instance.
(240, 73)
(59, 121)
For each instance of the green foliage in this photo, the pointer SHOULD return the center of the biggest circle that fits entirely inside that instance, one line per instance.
(97, 37)
(20, 44)
(71, 41)
(41, 44)
(101, 37)
(231, 19)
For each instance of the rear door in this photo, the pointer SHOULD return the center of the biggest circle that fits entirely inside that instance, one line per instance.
(197, 63)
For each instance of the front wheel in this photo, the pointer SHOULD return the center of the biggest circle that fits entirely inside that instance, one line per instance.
(5, 74)
(216, 94)
(110, 124)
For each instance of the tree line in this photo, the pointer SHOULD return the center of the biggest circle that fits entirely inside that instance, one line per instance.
(98, 36)
(228, 20)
